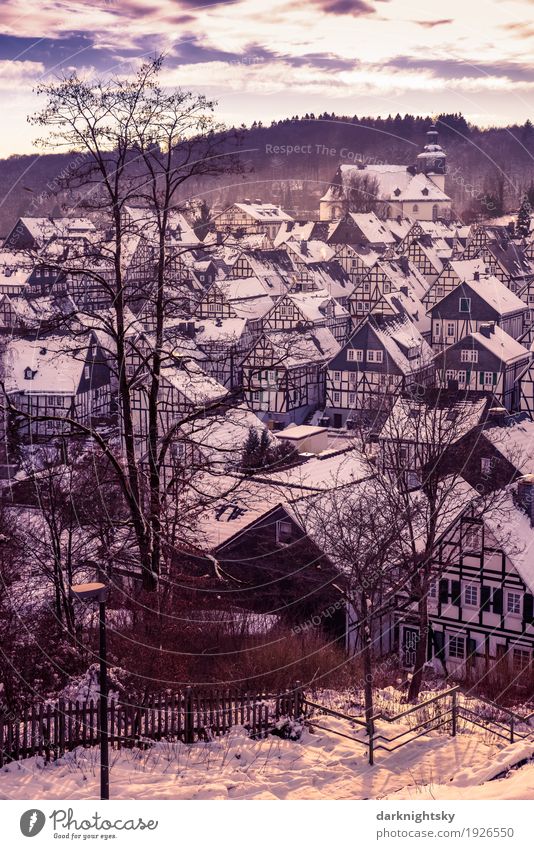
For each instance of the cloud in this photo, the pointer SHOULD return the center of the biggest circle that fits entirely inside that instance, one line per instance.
(345, 7)
(457, 69)
(432, 24)
(15, 74)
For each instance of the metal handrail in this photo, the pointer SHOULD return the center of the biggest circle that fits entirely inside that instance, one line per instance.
(400, 745)
(436, 698)
(324, 709)
(415, 728)
(513, 713)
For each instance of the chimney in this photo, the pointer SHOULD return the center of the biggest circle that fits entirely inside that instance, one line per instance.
(487, 329)
(496, 416)
(476, 276)
(404, 290)
(304, 247)
(525, 496)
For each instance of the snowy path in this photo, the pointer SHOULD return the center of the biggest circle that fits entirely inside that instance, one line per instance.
(319, 766)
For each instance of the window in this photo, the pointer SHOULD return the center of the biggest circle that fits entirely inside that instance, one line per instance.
(337, 376)
(337, 398)
(462, 377)
(387, 288)
(367, 287)
(513, 603)
(457, 646)
(472, 537)
(284, 532)
(59, 401)
(467, 355)
(521, 660)
(415, 207)
(488, 377)
(437, 328)
(465, 305)
(352, 399)
(439, 291)
(353, 354)
(359, 306)
(87, 372)
(374, 356)
(485, 465)
(433, 589)
(50, 400)
(471, 595)
(450, 329)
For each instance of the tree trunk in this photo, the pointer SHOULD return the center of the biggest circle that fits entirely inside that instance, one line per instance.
(421, 650)
(367, 663)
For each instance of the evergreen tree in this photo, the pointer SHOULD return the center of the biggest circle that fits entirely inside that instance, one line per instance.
(523, 218)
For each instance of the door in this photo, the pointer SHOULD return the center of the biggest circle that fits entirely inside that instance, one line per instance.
(410, 640)
(338, 420)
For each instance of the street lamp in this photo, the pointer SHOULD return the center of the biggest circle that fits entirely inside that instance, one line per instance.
(91, 593)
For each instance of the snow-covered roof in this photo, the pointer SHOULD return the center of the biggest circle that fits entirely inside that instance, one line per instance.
(416, 421)
(193, 383)
(512, 530)
(266, 213)
(399, 336)
(313, 304)
(499, 343)
(515, 441)
(496, 294)
(55, 363)
(299, 349)
(373, 229)
(395, 182)
(220, 330)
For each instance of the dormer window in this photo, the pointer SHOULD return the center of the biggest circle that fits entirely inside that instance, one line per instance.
(29, 373)
(424, 191)
(397, 192)
(465, 305)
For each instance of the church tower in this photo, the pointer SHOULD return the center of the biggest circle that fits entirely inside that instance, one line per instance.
(432, 160)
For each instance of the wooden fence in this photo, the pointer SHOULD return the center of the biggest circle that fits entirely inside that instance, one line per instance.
(51, 730)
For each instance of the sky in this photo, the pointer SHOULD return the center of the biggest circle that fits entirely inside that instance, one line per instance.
(269, 59)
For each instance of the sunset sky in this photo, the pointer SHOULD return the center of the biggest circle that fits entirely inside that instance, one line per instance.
(265, 60)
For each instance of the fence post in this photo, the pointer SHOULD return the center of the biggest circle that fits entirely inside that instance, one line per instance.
(511, 728)
(454, 713)
(371, 734)
(189, 718)
(297, 700)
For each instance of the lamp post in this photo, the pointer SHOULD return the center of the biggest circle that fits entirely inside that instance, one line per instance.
(99, 593)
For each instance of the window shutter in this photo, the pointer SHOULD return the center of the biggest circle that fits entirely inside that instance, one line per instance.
(494, 378)
(444, 590)
(456, 593)
(528, 608)
(497, 601)
(481, 377)
(485, 598)
(471, 647)
(439, 643)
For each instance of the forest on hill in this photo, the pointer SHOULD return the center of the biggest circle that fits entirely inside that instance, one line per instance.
(292, 161)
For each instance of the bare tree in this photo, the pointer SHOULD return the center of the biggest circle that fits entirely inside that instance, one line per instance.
(136, 148)
(355, 529)
(420, 466)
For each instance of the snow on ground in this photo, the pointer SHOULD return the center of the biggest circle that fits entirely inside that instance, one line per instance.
(321, 765)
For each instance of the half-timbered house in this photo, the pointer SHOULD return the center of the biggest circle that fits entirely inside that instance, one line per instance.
(383, 358)
(486, 360)
(284, 374)
(473, 303)
(302, 310)
(481, 602)
(57, 377)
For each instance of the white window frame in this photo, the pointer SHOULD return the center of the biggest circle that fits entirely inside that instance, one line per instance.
(456, 646)
(485, 465)
(471, 595)
(521, 659)
(513, 607)
(374, 355)
(354, 355)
